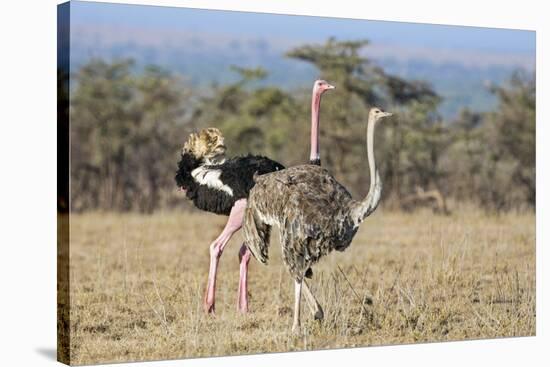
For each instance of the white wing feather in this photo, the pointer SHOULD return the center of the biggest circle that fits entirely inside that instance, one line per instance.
(210, 178)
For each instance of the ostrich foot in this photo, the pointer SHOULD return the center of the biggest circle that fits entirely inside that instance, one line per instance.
(209, 302)
(209, 307)
(242, 300)
(242, 307)
(313, 304)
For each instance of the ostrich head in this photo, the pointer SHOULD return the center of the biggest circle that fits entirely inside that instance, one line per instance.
(377, 114)
(204, 147)
(321, 86)
(207, 144)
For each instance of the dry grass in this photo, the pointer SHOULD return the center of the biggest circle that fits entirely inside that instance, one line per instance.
(137, 284)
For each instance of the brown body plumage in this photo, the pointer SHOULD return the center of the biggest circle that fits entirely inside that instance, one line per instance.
(314, 212)
(312, 222)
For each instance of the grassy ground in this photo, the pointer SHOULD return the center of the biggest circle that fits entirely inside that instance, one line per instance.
(137, 285)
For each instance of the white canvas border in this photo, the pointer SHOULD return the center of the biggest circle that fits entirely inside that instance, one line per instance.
(28, 151)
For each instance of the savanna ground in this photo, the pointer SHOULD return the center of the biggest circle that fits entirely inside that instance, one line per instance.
(137, 285)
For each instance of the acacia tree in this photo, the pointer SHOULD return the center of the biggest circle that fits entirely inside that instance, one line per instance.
(254, 119)
(515, 124)
(122, 126)
(508, 133)
(492, 157)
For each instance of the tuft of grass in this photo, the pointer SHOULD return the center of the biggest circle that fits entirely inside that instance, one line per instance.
(137, 283)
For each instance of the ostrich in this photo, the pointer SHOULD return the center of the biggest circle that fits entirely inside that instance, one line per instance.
(220, 185)
(315, 215)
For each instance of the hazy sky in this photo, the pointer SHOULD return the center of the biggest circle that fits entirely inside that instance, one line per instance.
(303, 27)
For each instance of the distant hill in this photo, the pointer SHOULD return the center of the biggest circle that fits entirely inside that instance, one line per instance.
(461, 78)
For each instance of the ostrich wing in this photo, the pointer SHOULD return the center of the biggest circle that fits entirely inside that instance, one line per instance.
(256, 234)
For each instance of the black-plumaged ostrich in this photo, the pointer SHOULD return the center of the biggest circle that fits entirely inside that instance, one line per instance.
(220, 185)
(315, 215)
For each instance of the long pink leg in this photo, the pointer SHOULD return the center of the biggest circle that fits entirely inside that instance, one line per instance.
(233, 224)
(244, 258)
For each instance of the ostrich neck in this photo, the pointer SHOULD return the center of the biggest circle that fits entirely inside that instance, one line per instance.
(370, 155)
(315, 106)
(362, 209)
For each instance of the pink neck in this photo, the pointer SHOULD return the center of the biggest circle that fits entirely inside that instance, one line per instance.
(315, 105)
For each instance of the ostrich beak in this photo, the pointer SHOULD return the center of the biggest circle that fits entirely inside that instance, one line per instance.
(387, 114)
(330, 86)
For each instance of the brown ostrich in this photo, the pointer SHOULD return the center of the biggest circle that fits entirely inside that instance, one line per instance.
(220, 185)
(315, 215)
